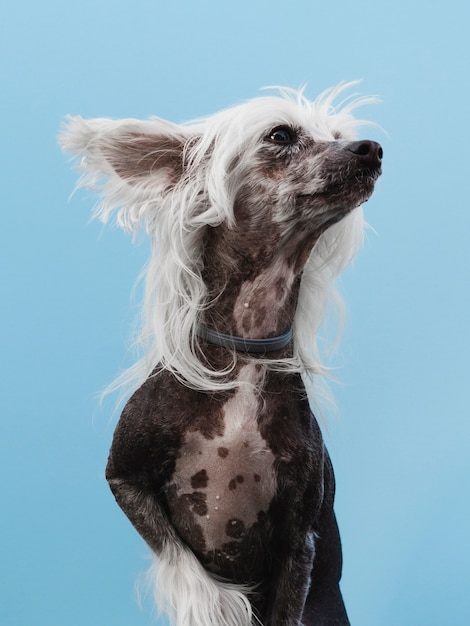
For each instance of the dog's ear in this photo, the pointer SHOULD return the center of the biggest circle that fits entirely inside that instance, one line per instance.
(135, 150)
(132, 163)
(137, 157)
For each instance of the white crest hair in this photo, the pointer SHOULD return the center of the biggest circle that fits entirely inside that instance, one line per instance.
(176, 216)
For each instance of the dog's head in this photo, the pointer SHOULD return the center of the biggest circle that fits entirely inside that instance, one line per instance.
(281, 160)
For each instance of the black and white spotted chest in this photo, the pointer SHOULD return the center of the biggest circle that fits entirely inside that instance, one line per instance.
(222, 486)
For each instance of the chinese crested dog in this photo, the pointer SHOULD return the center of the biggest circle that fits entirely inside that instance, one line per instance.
(217, 459)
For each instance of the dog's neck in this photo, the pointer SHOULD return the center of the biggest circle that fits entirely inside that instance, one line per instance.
(253, 282)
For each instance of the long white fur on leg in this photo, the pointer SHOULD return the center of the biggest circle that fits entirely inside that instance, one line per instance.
(190, 596)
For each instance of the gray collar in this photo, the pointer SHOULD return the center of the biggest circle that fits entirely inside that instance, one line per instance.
(242, 344)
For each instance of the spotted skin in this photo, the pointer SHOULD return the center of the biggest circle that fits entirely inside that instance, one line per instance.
(219, 465)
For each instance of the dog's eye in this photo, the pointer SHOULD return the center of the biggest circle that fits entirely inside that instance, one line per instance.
(283, 135)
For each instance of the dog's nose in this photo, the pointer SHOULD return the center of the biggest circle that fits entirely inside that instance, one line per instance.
(369, 151)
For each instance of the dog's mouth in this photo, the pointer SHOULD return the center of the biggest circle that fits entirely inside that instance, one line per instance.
(357, 187)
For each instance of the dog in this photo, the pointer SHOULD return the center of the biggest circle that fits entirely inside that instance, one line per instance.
(217, 459)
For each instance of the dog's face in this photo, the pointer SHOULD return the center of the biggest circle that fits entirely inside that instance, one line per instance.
(290, 171)
(304, 182)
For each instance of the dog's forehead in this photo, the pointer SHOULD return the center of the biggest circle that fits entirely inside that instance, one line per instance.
(253, 119)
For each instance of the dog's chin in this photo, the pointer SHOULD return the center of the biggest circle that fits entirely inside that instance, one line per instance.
(361, 190)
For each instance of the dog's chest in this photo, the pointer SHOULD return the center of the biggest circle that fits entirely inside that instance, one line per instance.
(222, 485)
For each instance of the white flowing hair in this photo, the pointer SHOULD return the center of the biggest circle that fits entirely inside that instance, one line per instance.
(177, 180)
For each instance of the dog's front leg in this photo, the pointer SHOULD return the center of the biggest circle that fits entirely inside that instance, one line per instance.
(143, 511)
(324, 603)
(293, 580)
(182, 587)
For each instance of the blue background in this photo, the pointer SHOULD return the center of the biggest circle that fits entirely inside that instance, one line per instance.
(401, 441)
